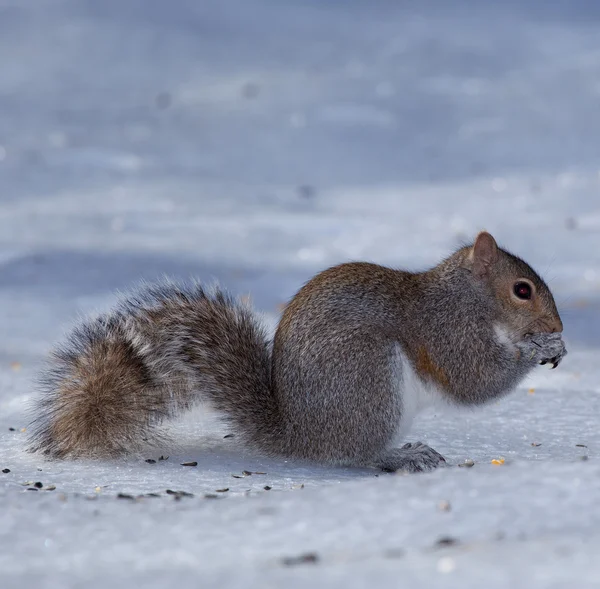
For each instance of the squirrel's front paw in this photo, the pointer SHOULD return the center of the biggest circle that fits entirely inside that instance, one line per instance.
(417, 457)
(544, 348)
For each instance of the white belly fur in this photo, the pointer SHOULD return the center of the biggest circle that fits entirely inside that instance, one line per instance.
(413, 393)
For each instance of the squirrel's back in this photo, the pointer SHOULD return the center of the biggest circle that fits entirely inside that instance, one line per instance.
(335, 364)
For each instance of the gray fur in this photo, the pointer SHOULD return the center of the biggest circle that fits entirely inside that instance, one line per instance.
(328, 391)
(178, 346)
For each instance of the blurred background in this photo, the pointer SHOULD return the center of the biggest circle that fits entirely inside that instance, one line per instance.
(256, 142)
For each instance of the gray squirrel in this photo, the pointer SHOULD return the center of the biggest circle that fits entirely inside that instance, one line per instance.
(359, 350)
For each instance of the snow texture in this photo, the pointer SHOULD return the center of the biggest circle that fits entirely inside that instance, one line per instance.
(255, 142)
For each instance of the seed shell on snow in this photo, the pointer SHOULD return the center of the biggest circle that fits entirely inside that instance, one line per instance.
(307, 558)
(179, 493)
(446, 541)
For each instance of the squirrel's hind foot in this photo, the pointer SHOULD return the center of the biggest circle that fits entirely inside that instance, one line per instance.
(417, 457)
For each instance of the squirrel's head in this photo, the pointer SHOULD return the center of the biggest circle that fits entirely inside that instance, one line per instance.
(524, 303)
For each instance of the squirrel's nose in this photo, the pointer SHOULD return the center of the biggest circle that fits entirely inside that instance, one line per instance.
(555, 325)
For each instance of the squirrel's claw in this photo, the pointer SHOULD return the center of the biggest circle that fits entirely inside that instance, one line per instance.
(554, 361)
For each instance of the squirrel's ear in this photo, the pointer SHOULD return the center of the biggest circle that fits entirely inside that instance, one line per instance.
(484, 254)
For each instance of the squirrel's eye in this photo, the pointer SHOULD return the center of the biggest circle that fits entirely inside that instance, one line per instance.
(522, 290)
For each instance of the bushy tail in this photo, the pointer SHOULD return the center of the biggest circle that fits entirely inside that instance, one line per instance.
(160, 352)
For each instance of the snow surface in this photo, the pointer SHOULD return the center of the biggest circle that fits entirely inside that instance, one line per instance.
(256, 142)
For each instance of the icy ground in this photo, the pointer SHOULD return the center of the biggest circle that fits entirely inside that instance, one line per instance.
(256, 142)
